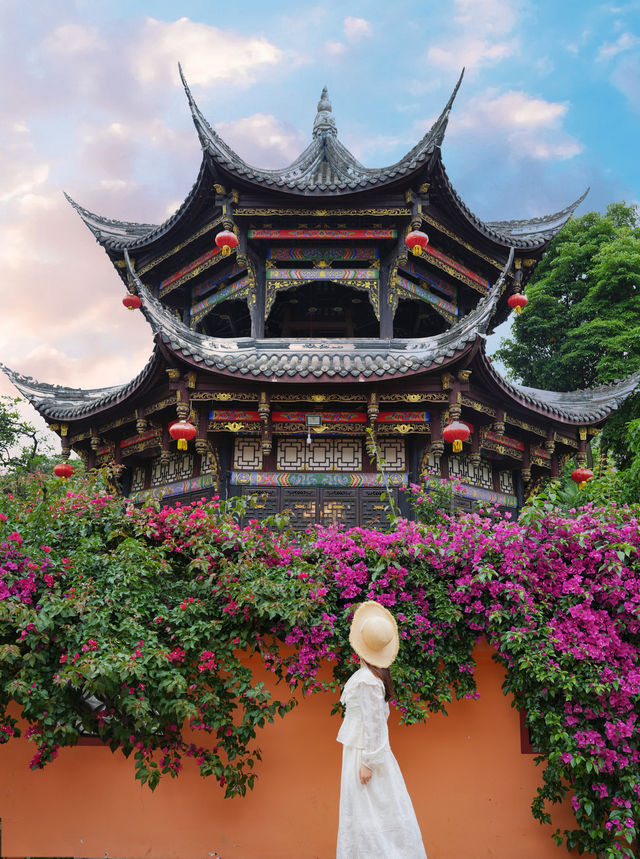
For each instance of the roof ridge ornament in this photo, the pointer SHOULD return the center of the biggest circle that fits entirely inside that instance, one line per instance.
(324, 123)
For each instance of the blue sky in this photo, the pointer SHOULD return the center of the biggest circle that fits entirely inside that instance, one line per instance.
(550, 104)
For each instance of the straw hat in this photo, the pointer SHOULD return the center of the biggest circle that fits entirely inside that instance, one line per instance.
(374, 634)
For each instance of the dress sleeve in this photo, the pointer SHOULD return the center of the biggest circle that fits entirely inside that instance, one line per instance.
(374, 720)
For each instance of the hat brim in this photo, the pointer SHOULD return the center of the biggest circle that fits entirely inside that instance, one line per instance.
(380, 658)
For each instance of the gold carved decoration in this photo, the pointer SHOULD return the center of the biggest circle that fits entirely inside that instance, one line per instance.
(321, 213)
(446, 381)
(220, 189)
(173, 373)
(234, 426)
(460, 241)
(191, 379)
(464, 375)
(64, 429)
(321, 428)
(402, 428)
(477, 406)
(201, 232)
(582, 433)
(424, 188)
(414, 398)
(318, 398)
(393, 295)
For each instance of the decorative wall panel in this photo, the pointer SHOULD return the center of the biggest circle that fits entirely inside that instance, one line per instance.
(323, 454)
(137, 481)
(506, 481)
(393, 453)
(460, 466)
(179, 467)
(247, 454)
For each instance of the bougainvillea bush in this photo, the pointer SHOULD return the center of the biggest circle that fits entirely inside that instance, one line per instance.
(135, 624)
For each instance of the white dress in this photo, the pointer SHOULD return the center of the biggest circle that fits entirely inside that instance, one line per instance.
(377, 820)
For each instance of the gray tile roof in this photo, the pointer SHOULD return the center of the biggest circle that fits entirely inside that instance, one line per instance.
(526, 234)
(59, 403)
(322, 359)
(588, 405)
(325, 166)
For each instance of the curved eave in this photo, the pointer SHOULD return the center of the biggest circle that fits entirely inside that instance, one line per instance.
(59, 403)
(325, 359)
(588, 407)
(533, 234)
(326, 166)
(117, 235)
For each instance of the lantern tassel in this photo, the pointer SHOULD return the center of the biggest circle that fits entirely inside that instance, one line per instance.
(182, 444)
(226, 250)
(518, 309)
(416, 250)
(457, 446)
(582, 484)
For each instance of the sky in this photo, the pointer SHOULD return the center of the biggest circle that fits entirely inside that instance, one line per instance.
(91, 104)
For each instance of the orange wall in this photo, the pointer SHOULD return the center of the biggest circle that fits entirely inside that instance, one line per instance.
(471, 788)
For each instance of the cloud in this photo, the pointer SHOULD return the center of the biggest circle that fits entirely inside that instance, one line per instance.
(625, 42)
(482, 35)
(209, 54)
(626, 78)
(356, 29)
(531, 127)
(74, 39)
(262, 140)
(336, 49)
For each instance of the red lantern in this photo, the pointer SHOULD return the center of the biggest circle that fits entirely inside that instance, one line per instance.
(182, 431)
(457, 432)
(227, 241)
(517, 301)
(416, 241)
(581, 475)
(63, 469)
(132, 302)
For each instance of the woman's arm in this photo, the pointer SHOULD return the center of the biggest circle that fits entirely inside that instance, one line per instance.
(374, 719)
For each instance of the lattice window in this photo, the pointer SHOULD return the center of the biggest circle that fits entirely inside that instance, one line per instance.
(292, 454)
(209, 463)
(178, 467)
(323, 454)
(247, 454)
(393, 453)
(319, 456)
(347, 454)
(339, 506)
(137, 481)
(506, 482)
(460, 466)
(302, 505)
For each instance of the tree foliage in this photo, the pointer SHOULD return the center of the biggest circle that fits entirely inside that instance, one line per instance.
(581, 326)
(23, 449)
(135, 624)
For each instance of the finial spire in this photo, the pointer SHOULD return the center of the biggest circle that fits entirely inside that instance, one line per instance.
(324, 122)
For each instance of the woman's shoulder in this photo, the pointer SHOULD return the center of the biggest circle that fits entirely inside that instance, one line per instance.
(363, 675)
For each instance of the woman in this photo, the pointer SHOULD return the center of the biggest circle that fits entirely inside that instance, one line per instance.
(377, 820)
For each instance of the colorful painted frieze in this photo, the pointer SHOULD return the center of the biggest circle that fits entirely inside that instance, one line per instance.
(304, 274)
(407, 286)
(202, 289)
(187, 269)
(322, 234)
(456, 266)
(434, 282)
(320, 253)
(303, 478)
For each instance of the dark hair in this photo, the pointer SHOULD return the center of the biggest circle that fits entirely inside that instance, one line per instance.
(385, 675)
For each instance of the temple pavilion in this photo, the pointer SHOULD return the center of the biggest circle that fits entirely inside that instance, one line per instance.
(312, 323)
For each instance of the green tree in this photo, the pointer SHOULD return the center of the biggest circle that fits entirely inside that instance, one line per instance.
(581, 327)
(24, 450)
